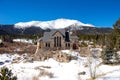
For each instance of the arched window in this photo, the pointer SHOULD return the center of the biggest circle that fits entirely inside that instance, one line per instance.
(68, 44)
(60, 42)
(57, 41)
(54, 41)
(46, 44)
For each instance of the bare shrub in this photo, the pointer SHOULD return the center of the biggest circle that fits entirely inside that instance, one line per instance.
(42, 55)
(92, 67)
(48, 67)
(92, 64)
(82, 73)
(84, 51)
(63, 57)
(45, 73)
(42, 74)
(35, 78)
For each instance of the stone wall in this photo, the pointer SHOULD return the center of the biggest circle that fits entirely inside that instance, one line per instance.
(59, 56)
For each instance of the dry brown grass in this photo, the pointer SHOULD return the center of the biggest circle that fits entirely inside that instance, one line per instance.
(45, 73)
(41, 68)
(12, 48)
(42, 73)
(35, 78)
(48, 67)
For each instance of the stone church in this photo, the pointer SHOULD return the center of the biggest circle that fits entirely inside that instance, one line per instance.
(58, 39)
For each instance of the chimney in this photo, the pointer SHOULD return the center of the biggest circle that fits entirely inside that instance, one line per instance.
(67, 36)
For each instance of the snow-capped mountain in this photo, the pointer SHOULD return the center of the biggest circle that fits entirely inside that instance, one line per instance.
(53, 24)
(39, 27)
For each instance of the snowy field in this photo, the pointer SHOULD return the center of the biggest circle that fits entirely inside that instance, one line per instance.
(53, 70)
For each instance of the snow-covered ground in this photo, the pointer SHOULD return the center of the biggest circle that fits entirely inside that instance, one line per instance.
(53, 70)
(23, 40)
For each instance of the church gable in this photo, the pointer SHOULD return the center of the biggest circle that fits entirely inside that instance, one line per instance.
(58, 33)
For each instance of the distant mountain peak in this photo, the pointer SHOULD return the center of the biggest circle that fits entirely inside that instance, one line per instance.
(53, 24)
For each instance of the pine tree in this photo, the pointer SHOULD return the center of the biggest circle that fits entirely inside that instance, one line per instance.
(116, 33)
(111, 42)
(117, 24)
(107, 55)
(6, 74)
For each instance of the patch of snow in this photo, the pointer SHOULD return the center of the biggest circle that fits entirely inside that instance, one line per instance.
(96, 49)
(113, 72)
(22, 40)
(7, 58)
(18, 49)
(118, 52)
(74, 53)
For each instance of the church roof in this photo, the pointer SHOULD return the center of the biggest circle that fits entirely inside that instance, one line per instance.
(48, 35)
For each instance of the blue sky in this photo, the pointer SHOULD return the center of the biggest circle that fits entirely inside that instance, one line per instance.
(101, 13)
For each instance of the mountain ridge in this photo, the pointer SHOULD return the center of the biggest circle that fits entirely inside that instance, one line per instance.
(52, 24)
